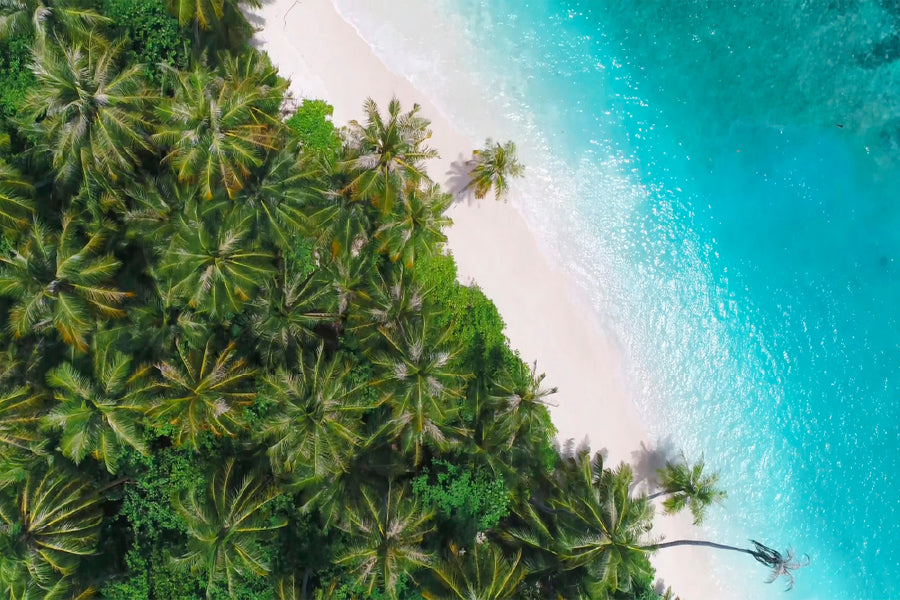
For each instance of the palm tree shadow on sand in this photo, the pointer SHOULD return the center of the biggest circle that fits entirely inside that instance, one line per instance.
(458, 179)
(650, 459)
(258, 21)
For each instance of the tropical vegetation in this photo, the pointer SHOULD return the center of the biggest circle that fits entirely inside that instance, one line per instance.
(492, 167)
(235, 361)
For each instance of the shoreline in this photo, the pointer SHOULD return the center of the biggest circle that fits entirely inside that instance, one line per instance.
(548, 318)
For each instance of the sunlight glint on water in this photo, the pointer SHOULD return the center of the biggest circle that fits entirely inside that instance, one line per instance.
(722, 178)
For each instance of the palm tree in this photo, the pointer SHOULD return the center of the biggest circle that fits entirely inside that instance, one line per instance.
(782, 565)
(314, 433)
(341, 221)
(151, 209)
(97, 415)
(492, 167)
(390, 152)
(66, 19)
(227, 524)
(285, 315)
(49, 524)
(159, 321)
(414, 227)
(212, 262)
(688, 487)
(16, 204)
(603, 530)
(55, 281)
(392, 300)
(583, 539)
(420, 385)
(480, 573)
(88, 112)
(608, 528)
(387, 531)
(203, 391)
(217, 16)
(349, 276)
(277, 196)
(21, 408)
(521, 403)
(218, 127)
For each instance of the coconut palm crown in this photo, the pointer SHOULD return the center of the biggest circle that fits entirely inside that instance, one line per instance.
(492, 167)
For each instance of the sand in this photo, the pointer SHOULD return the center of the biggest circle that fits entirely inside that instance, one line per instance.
(547, 318)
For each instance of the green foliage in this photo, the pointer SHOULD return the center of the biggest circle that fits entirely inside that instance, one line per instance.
(253, 326)
(688, 486)
(15, 77)
(312, 124)
(154, 36)
(471, 499)
(473, 321)
(354, 591)
(492, 167)
(154, 527)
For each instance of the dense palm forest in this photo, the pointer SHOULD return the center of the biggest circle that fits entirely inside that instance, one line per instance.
(235, 361)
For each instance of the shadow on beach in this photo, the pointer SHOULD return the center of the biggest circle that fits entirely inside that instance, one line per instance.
(649, 459)
(458, 178)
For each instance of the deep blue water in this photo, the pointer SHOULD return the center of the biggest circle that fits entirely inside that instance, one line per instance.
(724, 179)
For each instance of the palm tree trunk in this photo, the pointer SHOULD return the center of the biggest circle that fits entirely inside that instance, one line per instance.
(113, 484)
(702, 543)
(655, 495)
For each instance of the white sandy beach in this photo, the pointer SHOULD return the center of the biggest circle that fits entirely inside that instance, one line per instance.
(546, 318)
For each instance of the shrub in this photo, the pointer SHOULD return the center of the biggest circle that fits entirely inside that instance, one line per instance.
(154, 36)
(312, 124)
(475, 325)
(470, 500)
(15, 76)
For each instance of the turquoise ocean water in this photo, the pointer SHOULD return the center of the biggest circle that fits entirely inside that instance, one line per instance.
(723, 179)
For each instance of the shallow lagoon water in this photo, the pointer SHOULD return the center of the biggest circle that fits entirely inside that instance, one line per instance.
(722, 178)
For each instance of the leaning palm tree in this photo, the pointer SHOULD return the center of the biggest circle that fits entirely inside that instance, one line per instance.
(687, 486)
(314, 433)
(96, 413)
(390, 151)
(217, 127)
(203, 391)
(420, 386)
(781, 564)
(47, 525)
(16, 203)
(387, 531)
(492, 167)
(89, 113)
(482, 573)
(415, 226)
(227, 524)
(57, 281)
(213, 264)
(68, 20)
